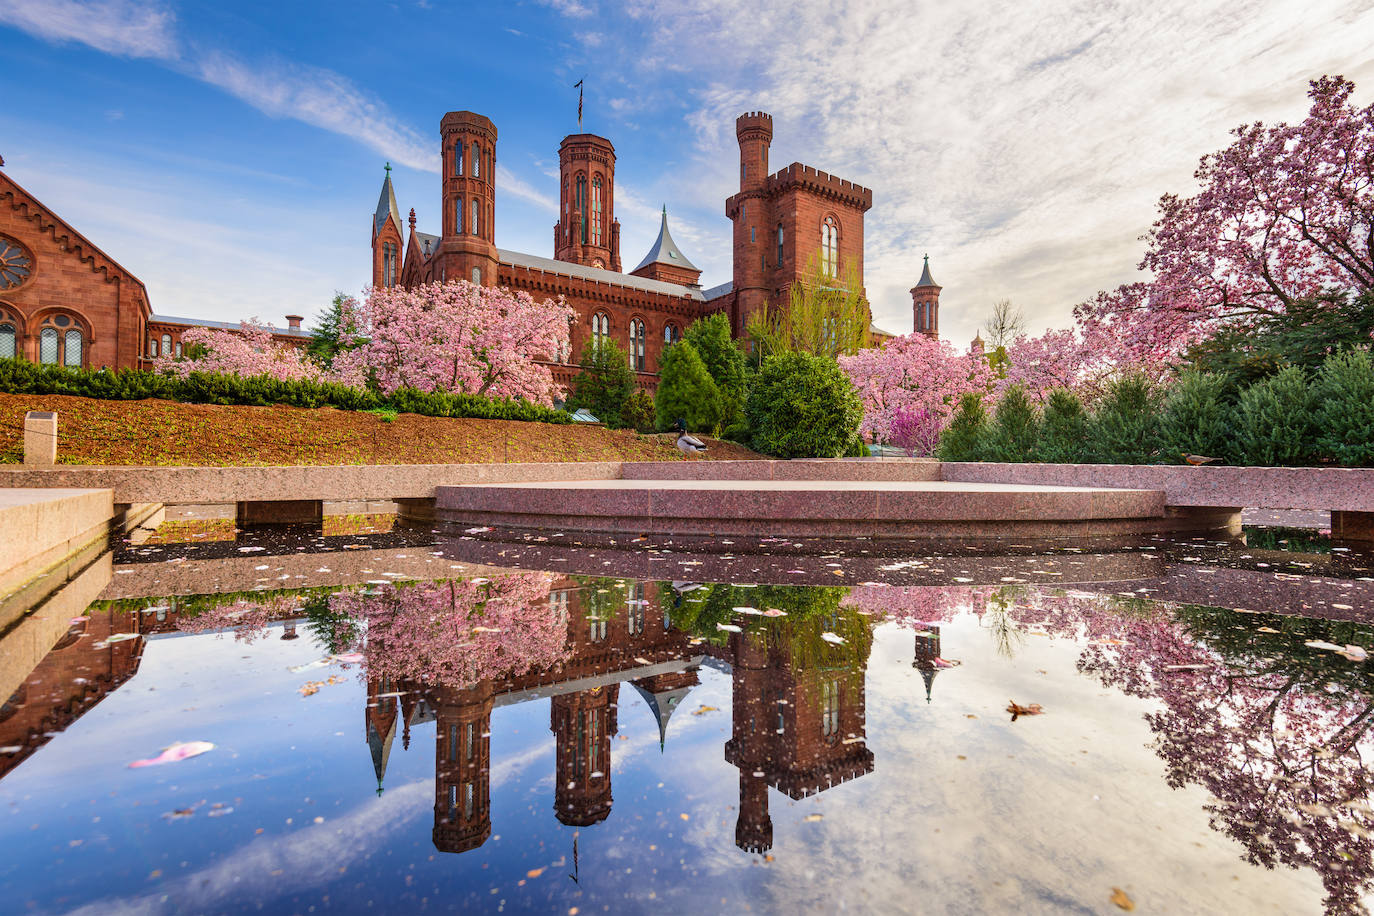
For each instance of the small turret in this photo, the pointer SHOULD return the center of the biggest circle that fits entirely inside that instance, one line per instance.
(925, 304)
(754, 130)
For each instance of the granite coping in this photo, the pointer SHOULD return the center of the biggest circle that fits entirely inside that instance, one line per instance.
(41, 527)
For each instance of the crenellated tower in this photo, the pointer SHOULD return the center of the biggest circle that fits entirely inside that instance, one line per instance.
(583, 725)
(752, 215)
(925, 304)
(587, 231)
(386, 237)
(462, 767)
(468, 244)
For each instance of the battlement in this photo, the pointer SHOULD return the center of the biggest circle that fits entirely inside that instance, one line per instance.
(754, 122)
(812, 179)
(469, 121)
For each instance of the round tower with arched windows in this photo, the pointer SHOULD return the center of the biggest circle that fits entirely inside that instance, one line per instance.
(587, 231)
(925, 304)
(468, 246)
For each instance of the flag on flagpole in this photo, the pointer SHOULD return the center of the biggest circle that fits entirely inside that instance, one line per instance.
(578, 87)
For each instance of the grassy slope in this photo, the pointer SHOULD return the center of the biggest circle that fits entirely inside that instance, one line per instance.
(156, 432)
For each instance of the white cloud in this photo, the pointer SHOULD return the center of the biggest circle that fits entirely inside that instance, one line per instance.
(1022, 146)
(115, 26)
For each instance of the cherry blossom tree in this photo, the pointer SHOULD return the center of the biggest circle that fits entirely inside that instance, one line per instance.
(912, 373)
(456, 337)
(1283, 213)
(252, 350)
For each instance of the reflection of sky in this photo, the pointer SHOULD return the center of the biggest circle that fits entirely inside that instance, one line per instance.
(1046, 814)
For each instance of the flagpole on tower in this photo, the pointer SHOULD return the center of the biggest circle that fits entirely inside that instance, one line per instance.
(578, 87)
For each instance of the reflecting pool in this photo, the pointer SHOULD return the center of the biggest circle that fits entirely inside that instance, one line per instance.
(390, 720)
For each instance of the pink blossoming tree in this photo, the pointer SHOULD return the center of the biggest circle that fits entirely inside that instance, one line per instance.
(456, 337)
(249, 351)
(1283, 213)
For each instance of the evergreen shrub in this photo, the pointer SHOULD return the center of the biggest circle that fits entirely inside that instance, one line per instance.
(1015, 429)
(1344, 392)
(686, 391)
(966, 436)
(802, 406)
(1197, 419)
(1124, 428)
(1275, 424)
(1063, 429)
(605, 385)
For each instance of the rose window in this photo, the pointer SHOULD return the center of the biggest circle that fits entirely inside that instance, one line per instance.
(16, 265)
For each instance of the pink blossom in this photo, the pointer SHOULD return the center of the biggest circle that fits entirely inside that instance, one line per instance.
(247, 352)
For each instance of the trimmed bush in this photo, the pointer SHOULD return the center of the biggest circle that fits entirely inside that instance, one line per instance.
(605, 385)
(803, 406)
(1344, 392)
(1274, 423)
(22, 377)
(1015, 428)
(1063, 430)
(686, 391)
(639, 412)
(1124, 428)
(724, 360)
(1197, 419)
(965, 438)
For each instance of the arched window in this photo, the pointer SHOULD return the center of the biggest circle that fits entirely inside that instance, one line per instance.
(477, 275)
(779, 245)
(598, 629)
(830, 708)
(601, 328)
(582, 205)
(47, 346)
(458, 159)
(166, 343)
(72, 346)
(458, 216)
(9, 336)
(830, 247)
(635, 602)
(476, 226)
(152, 347)
(476, 160)
(596, 210)
(178, 349)
(671, 333)
(637, 345)
(61, 342)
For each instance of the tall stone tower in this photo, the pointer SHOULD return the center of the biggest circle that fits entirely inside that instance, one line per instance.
(587, 231)
(752, 215)
(925, 304)
(386, 237)
(583, 724)
(468, 246)
(462, 768)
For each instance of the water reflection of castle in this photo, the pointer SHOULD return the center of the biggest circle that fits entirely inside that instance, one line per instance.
(798, 723)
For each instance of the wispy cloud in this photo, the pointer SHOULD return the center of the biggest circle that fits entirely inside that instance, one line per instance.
(121, 27)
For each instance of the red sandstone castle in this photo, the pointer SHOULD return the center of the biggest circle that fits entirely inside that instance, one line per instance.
(781, 221)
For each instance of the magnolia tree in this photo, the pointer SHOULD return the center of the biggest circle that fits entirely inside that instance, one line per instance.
(911, 374)
(252, 350)
(1283, 213)
(457, 337)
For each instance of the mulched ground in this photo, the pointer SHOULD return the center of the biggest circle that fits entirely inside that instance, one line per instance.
(154, 432)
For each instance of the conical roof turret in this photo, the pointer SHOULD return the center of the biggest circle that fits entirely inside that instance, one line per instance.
(926, 278)
(665, 250)
(386, 205)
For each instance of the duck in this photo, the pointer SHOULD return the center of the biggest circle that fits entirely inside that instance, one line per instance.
(688, 445)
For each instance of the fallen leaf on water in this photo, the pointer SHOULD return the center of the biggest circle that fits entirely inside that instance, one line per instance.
(534, 873)
(1120, 899)
(728, 627)
(685, 817)
(1016, 709)
(175, 753)
(833, 638)
(486, 629)
(813, 817)
(1186, 667)
(1323, 644)
(1354, 653)
(703, 710)
(1267, 630)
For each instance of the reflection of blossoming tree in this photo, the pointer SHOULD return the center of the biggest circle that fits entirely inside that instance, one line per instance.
(454, 633)
(248, 620)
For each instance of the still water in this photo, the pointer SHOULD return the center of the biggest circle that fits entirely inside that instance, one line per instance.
(498, 721)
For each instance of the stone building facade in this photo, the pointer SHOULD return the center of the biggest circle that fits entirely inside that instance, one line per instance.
(783, 222)
(64, 301)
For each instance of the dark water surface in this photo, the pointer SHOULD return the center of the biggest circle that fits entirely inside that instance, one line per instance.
(504, 721)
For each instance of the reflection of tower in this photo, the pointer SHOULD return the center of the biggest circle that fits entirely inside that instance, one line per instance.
(462, 764)
(379, 725)
(664, 693)
(798, 725)
(928, 656)
(583, 724)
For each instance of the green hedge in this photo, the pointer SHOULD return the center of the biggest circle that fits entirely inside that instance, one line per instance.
(23, 377)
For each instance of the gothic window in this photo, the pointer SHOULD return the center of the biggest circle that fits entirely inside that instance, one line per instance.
(476, 227)
(779, 244)
(16, 264)
(476, 160)
(601, 328)
(637, 345)
(452, 743)
(391, 281)
(9, 337)
(469, 800)
(830, 247)
(742, 173)
(471, 741)
(596, 210)
(452, 801)
(47, 346)
(598, 629)
(477, 276)
(458, 217)
(166, 344)
(751, 235)
(458, 159)
(830, 708)
(71, 348)
(582, 206)
(178, 349)
(671, 333)
(636, 602)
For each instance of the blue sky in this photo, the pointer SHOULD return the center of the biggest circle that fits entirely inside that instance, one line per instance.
(230, 154)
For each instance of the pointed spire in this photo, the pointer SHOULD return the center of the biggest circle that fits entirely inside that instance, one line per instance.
(380, 746)
(386, 205)
(926, 278)
(665, 250)
(662, 705)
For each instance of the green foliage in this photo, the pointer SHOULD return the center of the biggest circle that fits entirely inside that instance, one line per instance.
(605, 384)
(326, 339)
(802, 406)
(1064, 429)
(639, 411)
(21, 377)
(1016, 428)
(966, 436)
(1344, 393)
(1274, 423)
(724, 360)
(1197, 418)
(824, 316)
(384, 414)
(686, 391)
(1302, 336)
(1124, 428)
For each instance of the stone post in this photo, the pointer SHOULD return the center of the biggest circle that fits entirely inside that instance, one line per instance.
(40, 438)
